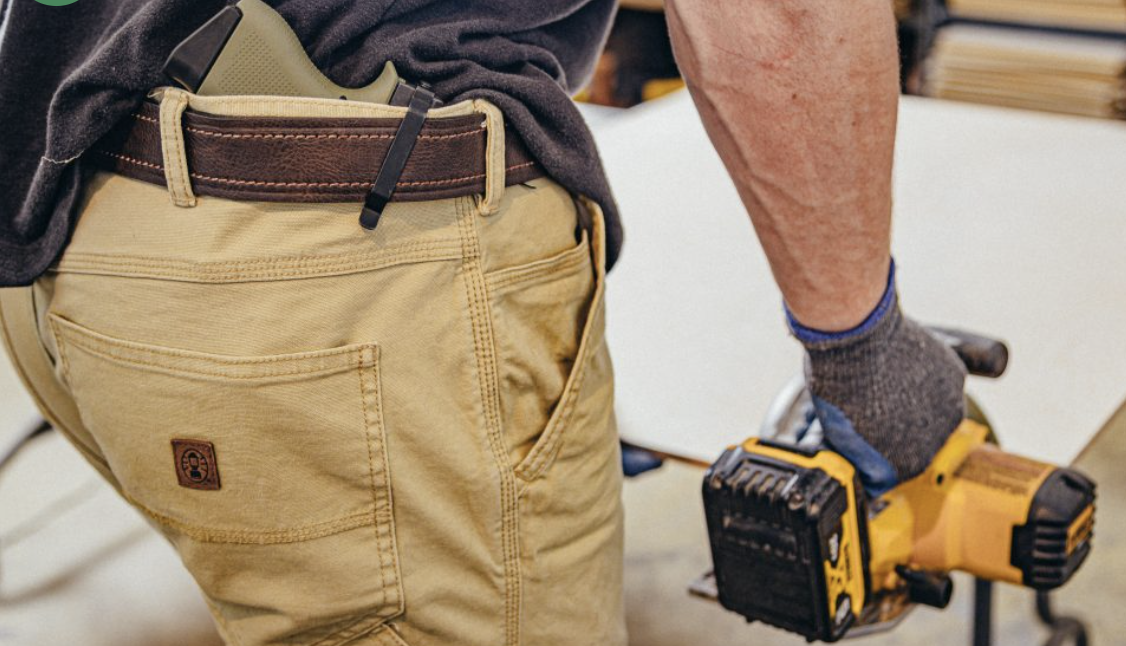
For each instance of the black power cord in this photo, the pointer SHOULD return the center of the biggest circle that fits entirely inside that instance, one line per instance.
(1063, 629)
(39, 429)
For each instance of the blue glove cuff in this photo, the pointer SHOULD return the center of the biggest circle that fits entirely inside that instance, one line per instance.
(809, 335)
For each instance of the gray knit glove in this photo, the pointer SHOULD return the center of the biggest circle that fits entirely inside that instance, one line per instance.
(887, 393)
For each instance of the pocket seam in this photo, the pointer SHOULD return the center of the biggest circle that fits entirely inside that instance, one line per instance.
(261, 269)
(371, 626)
(541, 456)
(498, 281)
(67, 332)
(64, 358)
(239, 537)
(382, 514)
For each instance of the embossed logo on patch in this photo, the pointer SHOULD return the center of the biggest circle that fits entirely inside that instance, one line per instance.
(196, 466)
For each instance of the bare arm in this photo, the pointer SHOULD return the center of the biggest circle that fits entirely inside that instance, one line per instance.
(799, 98)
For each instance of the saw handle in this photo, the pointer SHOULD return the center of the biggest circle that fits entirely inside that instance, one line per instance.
(983, 356)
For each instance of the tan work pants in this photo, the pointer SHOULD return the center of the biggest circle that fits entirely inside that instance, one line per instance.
(395, 437)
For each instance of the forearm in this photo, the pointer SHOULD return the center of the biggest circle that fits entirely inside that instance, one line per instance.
(799, 98)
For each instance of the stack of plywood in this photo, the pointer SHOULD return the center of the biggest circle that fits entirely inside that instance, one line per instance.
(1101, 15)
(1029, 68)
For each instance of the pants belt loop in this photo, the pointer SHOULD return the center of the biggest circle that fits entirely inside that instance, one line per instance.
(597, 223)
(494, 157)
(173, 102)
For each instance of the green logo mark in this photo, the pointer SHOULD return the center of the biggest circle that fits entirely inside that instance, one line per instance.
(56, 3)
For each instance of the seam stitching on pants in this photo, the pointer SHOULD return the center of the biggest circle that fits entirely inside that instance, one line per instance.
(351, 631)
(391, 637)
(122, 266)
(76, 263)
(563, 262)
(109, 355)
(482, 333)
(234, 271)
(202, 275)
(543, 460)
(443, 244)
(296, 262)
(220, 279)
(62, 349)
(368, 430)
(242, 537)
(535, 467)
(539, 459)
(387, 529)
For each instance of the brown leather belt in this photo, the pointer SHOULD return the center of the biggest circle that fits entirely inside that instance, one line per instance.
(311, 159)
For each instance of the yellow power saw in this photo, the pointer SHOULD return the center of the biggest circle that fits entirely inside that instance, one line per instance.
(796, 543)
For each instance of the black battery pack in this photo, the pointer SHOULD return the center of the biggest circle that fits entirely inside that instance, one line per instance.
(778, 533)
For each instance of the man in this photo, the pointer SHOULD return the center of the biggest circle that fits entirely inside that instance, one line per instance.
(405, 435)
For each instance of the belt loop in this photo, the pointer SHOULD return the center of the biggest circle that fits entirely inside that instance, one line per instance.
(173, 102)
(494, 157)
(597, 222)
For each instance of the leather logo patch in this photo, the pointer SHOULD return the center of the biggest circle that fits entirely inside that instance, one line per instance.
(196, 466)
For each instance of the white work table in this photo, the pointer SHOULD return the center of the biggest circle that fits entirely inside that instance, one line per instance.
(1008, 223)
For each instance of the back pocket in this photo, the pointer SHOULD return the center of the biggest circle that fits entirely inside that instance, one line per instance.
(269, 474)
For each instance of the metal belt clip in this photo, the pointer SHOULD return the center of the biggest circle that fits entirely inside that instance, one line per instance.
(421, 100)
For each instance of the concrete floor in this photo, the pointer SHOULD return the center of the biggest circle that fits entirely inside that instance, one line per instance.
(666, 547)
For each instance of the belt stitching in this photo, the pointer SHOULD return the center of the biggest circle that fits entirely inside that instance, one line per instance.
(225, 135)
(245, 182)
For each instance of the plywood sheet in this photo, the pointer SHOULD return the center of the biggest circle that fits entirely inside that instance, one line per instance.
(1018, 68)
(1008, 223)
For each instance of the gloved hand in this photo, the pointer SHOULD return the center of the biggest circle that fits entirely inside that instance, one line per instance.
(887, 393)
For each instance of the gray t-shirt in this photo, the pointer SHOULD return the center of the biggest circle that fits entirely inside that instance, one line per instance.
(68, 74)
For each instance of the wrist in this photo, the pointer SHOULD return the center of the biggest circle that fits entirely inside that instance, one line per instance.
(812, 336)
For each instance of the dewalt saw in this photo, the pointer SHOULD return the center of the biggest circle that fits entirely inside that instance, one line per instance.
(796, 543)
